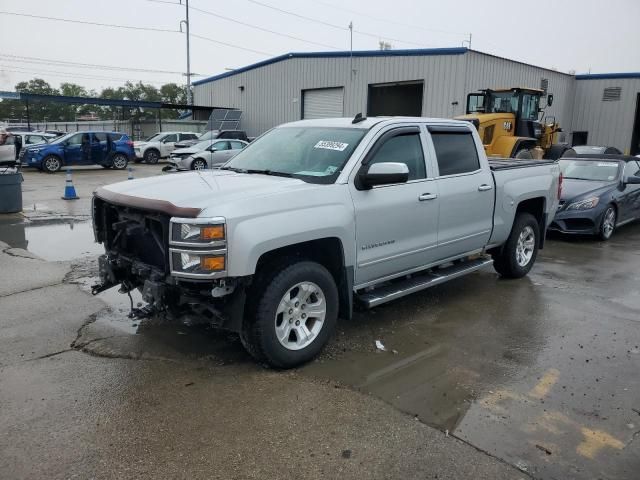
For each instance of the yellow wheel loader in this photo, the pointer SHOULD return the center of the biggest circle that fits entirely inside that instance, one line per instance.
(509, 123)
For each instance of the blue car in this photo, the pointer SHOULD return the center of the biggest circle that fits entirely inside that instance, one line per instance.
(599, 194)
(109, 149)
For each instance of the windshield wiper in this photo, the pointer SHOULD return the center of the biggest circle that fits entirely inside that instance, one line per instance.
(262, 172)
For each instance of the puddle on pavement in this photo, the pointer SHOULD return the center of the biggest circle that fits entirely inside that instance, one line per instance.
(65, 240)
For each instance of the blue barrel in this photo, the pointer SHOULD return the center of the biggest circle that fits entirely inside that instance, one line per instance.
(10, 192)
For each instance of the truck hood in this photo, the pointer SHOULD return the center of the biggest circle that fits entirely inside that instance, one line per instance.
(189, 194)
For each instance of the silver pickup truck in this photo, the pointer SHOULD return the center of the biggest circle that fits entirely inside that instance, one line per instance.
(316, 216)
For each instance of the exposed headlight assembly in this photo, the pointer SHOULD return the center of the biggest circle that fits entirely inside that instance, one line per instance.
(202, 251)
(585, 204)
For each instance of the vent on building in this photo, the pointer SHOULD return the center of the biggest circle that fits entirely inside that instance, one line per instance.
(544, 86)
(611, 94)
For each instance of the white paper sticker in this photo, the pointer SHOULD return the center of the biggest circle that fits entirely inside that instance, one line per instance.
(329, 145)
(607, 164)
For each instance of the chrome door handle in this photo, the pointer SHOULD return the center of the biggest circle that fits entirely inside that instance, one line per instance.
(427, 196)
(484, 187)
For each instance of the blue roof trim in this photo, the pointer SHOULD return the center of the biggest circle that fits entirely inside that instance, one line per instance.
(415, 52)
(605, 76)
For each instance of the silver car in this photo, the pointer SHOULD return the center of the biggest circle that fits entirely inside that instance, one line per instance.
(206, 154)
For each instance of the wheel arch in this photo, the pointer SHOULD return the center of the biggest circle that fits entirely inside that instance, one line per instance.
(328, 252)
(537, 207)
(522, 142)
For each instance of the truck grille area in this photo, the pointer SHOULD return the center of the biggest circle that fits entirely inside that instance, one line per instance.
(135, 234)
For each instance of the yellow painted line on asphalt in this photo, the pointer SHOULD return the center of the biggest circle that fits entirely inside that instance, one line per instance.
(596, 440)
(545, 384)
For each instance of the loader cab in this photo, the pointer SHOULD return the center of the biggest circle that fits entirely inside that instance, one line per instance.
(522, 103)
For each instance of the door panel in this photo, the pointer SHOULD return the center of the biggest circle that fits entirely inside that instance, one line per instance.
(77, 150)
(630, 199)
(167, 145)
(98, 147)
(395, 230)
(466, 193)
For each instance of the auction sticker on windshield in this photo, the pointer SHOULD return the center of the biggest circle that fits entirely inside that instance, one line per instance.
(329, 145)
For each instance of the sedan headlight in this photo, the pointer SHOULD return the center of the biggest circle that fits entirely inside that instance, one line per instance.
(585, 204)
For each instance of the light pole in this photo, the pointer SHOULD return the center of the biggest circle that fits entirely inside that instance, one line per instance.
(186, 25)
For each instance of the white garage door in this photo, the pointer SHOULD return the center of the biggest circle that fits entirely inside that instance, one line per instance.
(323, 103)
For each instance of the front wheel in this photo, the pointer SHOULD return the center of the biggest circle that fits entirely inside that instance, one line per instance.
(608, 223)
(51, 164)
(294, 314)
(198, 164)
(521, 248)
(151, 157)
(119, 162)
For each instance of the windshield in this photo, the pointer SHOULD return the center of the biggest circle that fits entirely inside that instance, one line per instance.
(62, 138)
(154, 138)
(586, 150)
(313, 154)
(209, 135)
(502, 102)
(202, 145)
(594, 170)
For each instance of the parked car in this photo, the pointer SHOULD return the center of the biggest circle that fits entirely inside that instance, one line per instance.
(592, 150)
(160, 145)
(16, 141)
(109, 149)
(215, 134)
(600, 193)
(207, 154)
(317, 214)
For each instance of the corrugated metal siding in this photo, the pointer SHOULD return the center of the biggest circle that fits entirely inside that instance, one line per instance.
(272, 94)
(608, 122)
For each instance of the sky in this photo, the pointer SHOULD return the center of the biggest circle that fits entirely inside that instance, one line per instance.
(568, 35)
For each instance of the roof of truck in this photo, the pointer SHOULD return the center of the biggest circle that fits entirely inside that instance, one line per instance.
(367, 123)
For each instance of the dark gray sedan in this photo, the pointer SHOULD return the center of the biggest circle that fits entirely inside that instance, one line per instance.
(599, 193)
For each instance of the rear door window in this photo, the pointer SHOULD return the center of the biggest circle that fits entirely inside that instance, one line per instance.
(456, 152)
(100, 137)
(222, 146)
(236, 145)
(188, 136)
(115, 137)
(170, 138)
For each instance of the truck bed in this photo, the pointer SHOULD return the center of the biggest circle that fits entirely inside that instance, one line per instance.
(510, 163)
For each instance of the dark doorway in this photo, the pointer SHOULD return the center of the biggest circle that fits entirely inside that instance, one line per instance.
(403, 99)
(635, 135)
(579, 138)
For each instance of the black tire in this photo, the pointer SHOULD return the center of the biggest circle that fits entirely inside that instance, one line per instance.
(152, 156)
(259, 330)
(119, 161)
(506, 261)
(198, 164)
(51, 164)
(524, 153)
(555, 152)
(605, 232)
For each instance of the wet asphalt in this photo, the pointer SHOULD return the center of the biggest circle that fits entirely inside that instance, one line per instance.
(479, 378)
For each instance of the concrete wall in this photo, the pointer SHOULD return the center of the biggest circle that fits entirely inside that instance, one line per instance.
(272, 93)
(608, 123)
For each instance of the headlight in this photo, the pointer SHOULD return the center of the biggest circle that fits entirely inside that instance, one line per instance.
(585, 204)
(198, 264)
(198, 232)
(34, 150)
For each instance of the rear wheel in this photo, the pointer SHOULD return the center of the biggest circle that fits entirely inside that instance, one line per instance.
(119, 161)
(608, 223)
(151, 156)
(554, 152)
(294, 314)
(521, 248)
(523, 153)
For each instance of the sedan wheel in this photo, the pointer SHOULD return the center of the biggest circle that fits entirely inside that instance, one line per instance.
(198, 164)
(608, 224)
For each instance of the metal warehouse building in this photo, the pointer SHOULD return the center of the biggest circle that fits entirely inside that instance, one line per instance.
(601, 109)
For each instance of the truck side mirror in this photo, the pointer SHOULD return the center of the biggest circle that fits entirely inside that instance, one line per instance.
(549, 99)
(384, 173)
(633, 180)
